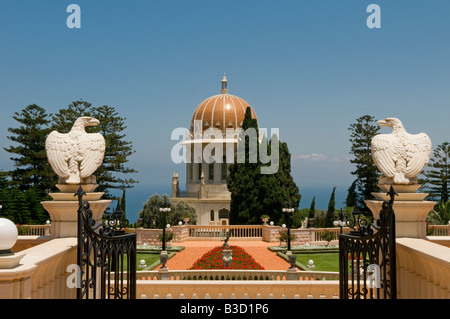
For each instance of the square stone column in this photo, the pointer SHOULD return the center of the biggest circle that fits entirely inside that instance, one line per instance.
(63, 210)
(409, 208)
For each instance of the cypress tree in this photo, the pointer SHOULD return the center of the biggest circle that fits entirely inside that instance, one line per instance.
(351, 195)
(243, 178)
(329, 218)
(254, 194)
(312, 208)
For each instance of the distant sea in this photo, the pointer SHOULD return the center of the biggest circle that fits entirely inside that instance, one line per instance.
(137, 196)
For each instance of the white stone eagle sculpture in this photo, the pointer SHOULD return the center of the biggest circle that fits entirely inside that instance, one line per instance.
(400, 156)
(76, 155)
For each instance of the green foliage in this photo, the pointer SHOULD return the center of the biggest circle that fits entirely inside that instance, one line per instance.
(151, 217)
(366, 171)
(330, 216)
(350, 201)
(32, 169)
(169, 236)
(440, 215)
(312, 208)
(22, 189)
(283, 236)
(327, 236)
(319, 218)
(180, 211)
(252, 192)
(437, 180)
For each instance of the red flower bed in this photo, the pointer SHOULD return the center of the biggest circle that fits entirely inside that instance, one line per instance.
(213, 260)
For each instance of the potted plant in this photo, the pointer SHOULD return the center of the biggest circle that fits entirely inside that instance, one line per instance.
(327, 236)
(265, 219)
(169, 237)
(186, 218)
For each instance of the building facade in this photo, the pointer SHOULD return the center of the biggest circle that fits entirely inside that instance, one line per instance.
(210, 147)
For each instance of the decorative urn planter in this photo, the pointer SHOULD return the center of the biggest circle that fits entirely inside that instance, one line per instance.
(227, 257)
(292, 258)
(163, 257)
(186, 220)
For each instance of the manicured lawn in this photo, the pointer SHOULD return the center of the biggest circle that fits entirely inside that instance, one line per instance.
(149, 259)
(322, 261)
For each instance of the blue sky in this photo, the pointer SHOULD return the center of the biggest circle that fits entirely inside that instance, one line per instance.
(309, 68)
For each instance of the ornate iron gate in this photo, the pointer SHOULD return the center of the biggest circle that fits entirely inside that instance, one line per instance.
(106, 256)
(367, 268)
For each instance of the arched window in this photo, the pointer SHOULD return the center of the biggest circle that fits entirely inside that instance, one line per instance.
(211, 215)
(224, 213)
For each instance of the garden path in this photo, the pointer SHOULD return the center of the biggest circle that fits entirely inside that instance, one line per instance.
(257, 249)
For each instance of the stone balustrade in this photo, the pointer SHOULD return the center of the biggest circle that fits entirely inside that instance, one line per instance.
(423, 269)
(34, 230)
(236, 231)
(248, 275)
(439, 230)
(42, 272)
(151, 236)
(211, 289)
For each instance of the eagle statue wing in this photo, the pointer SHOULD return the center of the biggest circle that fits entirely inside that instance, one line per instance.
(58, 148)
(93, 148)
(383, 150)
(418, 151)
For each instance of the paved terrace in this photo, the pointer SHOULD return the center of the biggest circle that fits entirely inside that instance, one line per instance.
(257, 249)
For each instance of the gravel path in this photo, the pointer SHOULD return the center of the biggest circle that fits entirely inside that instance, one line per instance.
(257, 249)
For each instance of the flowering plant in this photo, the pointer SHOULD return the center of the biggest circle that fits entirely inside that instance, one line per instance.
(213, 260)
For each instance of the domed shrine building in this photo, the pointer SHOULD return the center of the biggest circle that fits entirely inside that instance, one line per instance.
(206, 187)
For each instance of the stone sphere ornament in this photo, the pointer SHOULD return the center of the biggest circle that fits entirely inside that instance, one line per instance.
(8, 235)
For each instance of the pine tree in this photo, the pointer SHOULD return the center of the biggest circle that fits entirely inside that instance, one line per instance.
(437, 174)
(32, 169)
(117, 152)
(366, 171)
(329, 218)
(66, 117)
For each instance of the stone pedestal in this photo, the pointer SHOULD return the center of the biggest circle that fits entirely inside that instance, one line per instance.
(410, 209)
(63, 209)
(10, 261)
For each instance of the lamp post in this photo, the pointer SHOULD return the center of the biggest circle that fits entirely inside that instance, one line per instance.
(287, 210)
(341, 222)
(165, 208)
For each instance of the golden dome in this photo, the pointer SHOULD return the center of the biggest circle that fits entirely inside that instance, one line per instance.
(221, 111)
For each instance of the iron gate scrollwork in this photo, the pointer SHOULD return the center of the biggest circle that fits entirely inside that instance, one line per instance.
(106, 255)
(367, 266)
